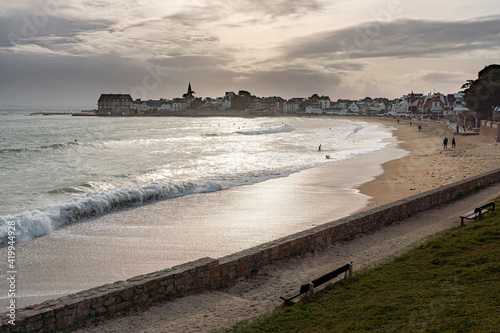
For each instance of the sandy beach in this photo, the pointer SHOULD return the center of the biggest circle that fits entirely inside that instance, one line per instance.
(422, 165)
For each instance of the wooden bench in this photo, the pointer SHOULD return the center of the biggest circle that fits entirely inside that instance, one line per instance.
(309, 287)
(477, 212)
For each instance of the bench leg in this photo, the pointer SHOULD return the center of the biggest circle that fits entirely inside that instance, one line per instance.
(461, 221)
(310, 292)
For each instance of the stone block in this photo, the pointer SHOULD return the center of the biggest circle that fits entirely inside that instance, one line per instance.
(111, 309)
(169, 288)
(180, 288)
(82, 312)
(181, 274)
(98, 309)
(151, 285)
(125, 305)
(75, 302)
(140, 299)
(167, 281)
(111, 299)
(61, 324)
(126, 294)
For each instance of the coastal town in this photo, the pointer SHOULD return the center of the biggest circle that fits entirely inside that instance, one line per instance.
(432, 105)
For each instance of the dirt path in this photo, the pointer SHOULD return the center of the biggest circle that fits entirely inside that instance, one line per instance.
(260, 294)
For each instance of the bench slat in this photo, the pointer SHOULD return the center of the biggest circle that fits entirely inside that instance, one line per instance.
(317, 282)
(479, 211)
(473, 214)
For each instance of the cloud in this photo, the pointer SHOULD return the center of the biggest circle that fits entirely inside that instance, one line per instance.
(238, 13)
(274, 8)
(26, 30)
(190, 61)
(441, 77)
(57, 50)
(291, 82)
(405, 38)
(42, 79)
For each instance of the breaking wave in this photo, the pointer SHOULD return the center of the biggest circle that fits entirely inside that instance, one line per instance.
(281, 129)
(36, 223)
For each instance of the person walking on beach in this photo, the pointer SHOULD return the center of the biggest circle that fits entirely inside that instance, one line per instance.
(453, 142)
(445, 143)
(419, 128)
(319, 148)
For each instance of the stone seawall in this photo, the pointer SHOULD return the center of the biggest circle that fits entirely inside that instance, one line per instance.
(490, 129)
(207, 274)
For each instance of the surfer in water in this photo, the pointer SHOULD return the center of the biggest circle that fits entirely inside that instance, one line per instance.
(319, 148)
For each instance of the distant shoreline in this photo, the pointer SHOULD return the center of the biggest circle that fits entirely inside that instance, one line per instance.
(194, 113)
(200, 113)
(212, 113)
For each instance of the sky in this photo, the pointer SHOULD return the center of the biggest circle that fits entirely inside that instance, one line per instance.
(55, 52)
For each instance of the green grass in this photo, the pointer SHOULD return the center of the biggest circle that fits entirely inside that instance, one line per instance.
(449, 284)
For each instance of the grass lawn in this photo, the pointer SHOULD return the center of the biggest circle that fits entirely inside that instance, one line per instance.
(449, 284)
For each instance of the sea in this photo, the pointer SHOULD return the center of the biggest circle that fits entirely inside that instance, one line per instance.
(59, 169)
(92, 200)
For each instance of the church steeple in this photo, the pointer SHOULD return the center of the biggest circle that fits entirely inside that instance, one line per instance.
(189, 95)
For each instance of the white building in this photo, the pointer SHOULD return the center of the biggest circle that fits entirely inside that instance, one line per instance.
(324, 104)
(166, 106)
(311, 109)
(399, 109)
(179, 104)
(141, 106)
(354, 108)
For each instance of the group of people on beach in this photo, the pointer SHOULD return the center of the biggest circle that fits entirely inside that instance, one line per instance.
(445, 140)
(464, 128)
(445, 143)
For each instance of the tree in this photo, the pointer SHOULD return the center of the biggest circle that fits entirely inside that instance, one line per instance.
(244, 93)
(196, 103)
(483, 94)
(316, 97)
(242, 101)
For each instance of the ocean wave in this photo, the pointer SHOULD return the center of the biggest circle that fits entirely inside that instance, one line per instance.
(82, 188)
(36, 223)
(281, 129)
(36, 149)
